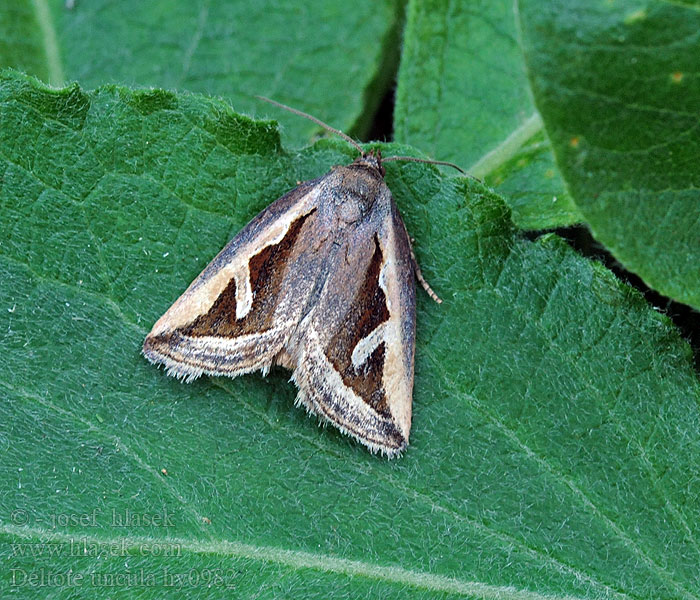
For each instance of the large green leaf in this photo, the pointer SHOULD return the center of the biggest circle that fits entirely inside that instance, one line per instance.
(463, 95)
(556, 436)
(229, 48)
(617, 86)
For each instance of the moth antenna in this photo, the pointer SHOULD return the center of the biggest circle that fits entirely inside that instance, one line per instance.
(426, 160)
(327, 127)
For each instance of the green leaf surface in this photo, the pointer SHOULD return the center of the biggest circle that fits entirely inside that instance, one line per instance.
(555, 440)
(227, 48)
(618, 88)
(463, 96)
(22, 39)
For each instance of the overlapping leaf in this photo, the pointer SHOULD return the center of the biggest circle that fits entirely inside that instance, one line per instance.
(303, 53)
(463, 95)
(616, 90)
(617, 87)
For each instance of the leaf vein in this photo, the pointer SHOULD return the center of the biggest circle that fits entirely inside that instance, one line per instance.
(299, 559)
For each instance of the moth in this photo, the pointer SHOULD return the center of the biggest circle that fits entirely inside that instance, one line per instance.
(321, 282)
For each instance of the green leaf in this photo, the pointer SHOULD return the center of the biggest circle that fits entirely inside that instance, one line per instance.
(21, 38)
(227, 48)
(617, 87)
(555, 439)
(463, 96)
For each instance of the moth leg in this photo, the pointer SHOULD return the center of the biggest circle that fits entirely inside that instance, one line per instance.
(416, 269)
(419, 276)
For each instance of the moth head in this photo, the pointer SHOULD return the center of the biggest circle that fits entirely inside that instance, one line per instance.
(371, 160)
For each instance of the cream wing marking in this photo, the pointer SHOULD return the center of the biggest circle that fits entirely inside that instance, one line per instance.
(398, 382)
(190, 305)
(367, 345)
(244, 291)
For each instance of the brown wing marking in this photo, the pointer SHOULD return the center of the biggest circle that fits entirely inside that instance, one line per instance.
(267, 270)
(348, 393)
(216, 342)
(361, 377)
(367, 312)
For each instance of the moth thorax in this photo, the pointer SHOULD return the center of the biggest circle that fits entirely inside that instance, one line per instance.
(361, 187)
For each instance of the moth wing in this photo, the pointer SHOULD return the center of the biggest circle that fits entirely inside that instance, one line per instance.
(237, 314)
(356, 349)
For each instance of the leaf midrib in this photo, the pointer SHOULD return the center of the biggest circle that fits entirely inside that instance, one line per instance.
(507, 149)
(296, 559)
(48, 37)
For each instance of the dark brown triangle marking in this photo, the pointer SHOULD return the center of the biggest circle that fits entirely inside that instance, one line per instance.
(365, 314)
(267, 269)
